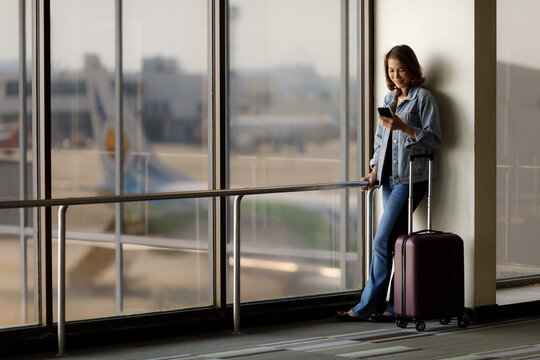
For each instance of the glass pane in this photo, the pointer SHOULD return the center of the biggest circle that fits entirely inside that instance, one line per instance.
(165, 98)
(82, 88)
(285, 119)
(164, 143)
(158, 273)
(18, 259)
(518, 150)
(291, 246)
(18, 280)
(82, 56)
(165, 278)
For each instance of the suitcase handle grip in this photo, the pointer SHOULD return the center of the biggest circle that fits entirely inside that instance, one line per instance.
(426, 231)
(419, 156)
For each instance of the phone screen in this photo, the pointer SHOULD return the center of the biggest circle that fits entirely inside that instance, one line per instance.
(384, 111)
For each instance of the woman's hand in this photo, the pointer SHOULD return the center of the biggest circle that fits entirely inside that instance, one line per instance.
(392, 123)
(370, 178)
(395, 123)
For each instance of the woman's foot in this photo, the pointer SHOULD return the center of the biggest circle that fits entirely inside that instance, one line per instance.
(348, 316)
(384, 317)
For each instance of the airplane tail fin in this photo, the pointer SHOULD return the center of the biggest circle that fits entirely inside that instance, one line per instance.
(143, 171)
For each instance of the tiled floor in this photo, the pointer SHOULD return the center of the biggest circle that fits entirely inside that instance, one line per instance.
(517, 338)
(509, 338)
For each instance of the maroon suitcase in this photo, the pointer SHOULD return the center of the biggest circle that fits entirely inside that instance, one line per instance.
(428, 275)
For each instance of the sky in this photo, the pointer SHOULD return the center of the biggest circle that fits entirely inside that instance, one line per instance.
(264, 33)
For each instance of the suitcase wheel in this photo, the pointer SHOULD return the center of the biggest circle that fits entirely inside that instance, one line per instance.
(402, 323)
(445, 321)
(463, 323)
(420, 325)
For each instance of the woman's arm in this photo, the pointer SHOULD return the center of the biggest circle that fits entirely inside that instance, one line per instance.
(429, 136)
(377, 142)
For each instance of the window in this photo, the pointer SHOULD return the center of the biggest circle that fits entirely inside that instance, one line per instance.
(292, 118)
(19, 287)
(518, 152)
(164, 246)
(286, 127)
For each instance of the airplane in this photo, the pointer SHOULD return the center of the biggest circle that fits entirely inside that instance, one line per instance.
(150, 176)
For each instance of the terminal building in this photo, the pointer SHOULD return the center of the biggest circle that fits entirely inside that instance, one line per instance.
(169, 130)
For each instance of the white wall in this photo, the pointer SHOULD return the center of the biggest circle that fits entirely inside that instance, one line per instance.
(442, 33)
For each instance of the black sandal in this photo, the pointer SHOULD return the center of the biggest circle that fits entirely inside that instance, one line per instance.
(382, 318)
(346, 317)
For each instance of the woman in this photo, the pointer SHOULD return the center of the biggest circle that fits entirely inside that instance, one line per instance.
(413, 129)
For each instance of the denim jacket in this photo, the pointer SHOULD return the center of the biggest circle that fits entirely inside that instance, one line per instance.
(419, 110)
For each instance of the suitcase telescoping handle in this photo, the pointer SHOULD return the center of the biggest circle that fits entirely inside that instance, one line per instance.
(410, 229)
(410, 200)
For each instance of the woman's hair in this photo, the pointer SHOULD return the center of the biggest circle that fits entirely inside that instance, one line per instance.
(408, 59)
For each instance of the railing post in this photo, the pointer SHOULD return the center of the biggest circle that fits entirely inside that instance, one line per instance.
(62, 279)
(236, 266)
(369, 232)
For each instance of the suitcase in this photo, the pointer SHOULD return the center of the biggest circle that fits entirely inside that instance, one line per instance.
(428, 275)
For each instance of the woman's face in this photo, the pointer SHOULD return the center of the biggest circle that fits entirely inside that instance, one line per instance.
(398, 73)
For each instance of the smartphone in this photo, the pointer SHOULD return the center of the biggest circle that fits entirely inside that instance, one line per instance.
(384, 111)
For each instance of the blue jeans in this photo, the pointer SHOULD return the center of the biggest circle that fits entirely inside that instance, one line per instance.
(393, 223)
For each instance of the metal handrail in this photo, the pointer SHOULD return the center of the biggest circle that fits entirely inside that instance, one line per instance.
(91, 200)
(238, 194)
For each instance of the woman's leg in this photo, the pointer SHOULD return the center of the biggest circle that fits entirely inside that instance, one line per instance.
(373, 299)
